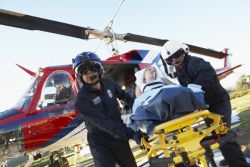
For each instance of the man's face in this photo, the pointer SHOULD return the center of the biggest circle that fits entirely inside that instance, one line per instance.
(59, 87)
(178, 61)
(90, 77)
(90, 72)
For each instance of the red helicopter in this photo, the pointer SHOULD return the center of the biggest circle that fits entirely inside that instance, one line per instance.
(45, 121)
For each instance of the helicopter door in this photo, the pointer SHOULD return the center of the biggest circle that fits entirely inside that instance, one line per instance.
(56, 104)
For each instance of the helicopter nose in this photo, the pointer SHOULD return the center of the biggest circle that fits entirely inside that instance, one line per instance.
(11, 134)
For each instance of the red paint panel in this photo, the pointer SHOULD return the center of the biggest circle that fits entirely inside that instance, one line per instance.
(38, 132)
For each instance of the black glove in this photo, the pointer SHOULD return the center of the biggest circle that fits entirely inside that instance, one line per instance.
(126, 133)
(129, 133)
(138, 135)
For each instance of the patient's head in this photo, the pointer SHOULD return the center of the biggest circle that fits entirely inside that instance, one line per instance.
(149, 74)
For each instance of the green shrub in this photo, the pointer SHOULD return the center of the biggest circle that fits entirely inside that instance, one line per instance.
(239, 93)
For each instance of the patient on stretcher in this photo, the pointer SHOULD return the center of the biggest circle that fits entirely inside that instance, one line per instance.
(157, 102)
(148, 79)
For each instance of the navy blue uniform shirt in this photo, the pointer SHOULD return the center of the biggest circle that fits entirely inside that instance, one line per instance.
(100, 109)
(198, 71)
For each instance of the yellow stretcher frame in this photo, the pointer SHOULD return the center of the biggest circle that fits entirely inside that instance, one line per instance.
(179, 140)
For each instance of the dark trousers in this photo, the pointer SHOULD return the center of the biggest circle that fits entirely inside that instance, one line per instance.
(231, 150)
(110, 152)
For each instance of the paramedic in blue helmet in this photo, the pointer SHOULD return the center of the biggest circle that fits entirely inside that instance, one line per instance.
(97, 102)
(195, 70)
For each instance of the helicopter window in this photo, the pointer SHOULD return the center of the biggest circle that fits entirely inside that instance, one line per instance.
(25, 100)
(57, 90)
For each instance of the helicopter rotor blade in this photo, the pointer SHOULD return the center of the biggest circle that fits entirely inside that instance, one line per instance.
(154, 41)
(161, 42)
(28, 22)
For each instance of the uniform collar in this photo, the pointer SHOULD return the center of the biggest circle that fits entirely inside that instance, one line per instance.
(186, 58)
(185, 62)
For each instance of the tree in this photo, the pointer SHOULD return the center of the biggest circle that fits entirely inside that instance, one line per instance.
(243, 82)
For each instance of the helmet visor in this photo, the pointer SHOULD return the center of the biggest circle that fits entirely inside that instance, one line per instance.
(89, 65)
(176, 55)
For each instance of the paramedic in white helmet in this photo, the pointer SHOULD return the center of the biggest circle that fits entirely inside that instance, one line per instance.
(195, 70)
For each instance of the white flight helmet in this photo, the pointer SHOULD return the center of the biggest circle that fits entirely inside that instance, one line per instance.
(171, 47)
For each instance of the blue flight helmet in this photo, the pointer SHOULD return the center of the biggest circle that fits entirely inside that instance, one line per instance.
(87, 61)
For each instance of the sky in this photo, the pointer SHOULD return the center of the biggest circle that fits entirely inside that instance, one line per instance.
(209, 24)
